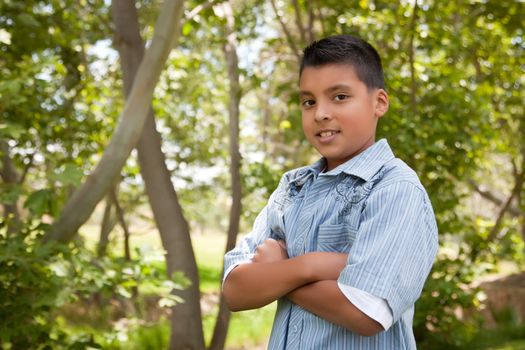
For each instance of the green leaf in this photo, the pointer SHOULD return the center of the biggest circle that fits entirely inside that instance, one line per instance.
(10, 193)
(39, 202)
(187, 28)
(71, 174)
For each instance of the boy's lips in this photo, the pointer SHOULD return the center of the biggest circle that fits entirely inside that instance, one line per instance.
(325, 136)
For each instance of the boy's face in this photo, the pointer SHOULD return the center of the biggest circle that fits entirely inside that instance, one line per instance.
(339, 112)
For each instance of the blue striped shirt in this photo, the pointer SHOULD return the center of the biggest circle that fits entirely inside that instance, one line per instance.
(372, 207)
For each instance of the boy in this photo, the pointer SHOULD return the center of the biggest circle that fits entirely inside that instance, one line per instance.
(346, 244)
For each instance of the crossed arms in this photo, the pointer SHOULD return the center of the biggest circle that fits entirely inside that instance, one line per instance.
(309, 280)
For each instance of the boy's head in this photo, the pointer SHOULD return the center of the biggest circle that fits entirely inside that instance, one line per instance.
(346, 49)
(342, 96)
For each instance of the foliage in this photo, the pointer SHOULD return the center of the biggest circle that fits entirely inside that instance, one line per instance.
(439, 320)
(33, 283)
(509, 334)
(37, 279)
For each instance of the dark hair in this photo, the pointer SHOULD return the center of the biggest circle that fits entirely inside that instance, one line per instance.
(346, 49)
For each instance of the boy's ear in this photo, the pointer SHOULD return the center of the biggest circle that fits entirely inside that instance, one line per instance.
(381, 103)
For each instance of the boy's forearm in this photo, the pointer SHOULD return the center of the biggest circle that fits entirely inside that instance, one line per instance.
(325, 299)
(254, 285)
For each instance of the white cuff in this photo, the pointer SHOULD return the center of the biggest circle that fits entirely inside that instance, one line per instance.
(374, 307)
(227, 272)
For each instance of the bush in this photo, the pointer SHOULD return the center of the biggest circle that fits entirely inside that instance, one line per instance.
(37, 278)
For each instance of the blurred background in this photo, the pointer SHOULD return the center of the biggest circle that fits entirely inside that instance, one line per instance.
(114, 221)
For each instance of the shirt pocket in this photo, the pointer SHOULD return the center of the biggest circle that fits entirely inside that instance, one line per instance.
(335, 238)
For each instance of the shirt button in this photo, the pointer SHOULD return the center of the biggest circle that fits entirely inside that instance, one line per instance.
(294, 329)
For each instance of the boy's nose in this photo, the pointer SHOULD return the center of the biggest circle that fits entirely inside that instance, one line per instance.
(322, 114)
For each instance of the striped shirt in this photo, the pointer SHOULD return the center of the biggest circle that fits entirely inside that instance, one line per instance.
(372, 207)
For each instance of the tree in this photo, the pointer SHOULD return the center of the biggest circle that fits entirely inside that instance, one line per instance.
(83, 201)
(186, 324)
(230, 47)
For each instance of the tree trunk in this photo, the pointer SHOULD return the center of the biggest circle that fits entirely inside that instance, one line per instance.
(9, 176)
(107, 224)
(120, 217)
(80, 206)
(223, 317)
(287, 33)
(412, 60)
(186, 324)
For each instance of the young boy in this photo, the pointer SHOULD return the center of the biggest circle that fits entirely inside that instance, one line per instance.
(344, 245)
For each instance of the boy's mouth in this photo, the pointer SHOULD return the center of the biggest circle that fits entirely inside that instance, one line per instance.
(327, 133)
(326, 136)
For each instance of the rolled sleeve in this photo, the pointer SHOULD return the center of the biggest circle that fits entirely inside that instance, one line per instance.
(372, 306)
(395, 246)
(245, 249)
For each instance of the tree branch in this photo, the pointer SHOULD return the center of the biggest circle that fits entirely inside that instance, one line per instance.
(517, 188)
(490, 196)
(286, 33)
(188, 16)
(412, 54)
(320, 16)
(122, 222)
(10, 176)
(311, 19)
(235, 92)
(299, 20)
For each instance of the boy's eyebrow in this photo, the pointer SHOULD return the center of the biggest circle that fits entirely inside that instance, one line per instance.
(328, 90)
(338, 87)
(305, 93)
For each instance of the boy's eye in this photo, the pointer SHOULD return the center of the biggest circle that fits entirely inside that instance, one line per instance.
(308, 103)
(340, 97)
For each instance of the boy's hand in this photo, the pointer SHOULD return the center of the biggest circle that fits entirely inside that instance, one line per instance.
(270, 251)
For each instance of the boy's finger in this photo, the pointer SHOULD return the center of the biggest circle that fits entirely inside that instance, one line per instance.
(282, 244)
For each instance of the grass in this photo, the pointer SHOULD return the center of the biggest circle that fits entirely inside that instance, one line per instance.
(511, 345)
(209, 253)
(509, 335)
(247, 330)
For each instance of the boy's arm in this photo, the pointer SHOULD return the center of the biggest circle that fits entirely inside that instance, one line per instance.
(309, 281)
(271, 275)
(398, 241)
(325, 299)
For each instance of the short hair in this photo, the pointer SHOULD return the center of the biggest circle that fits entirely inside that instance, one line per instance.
(346, 49)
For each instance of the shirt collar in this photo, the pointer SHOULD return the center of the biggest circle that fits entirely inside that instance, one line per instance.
(303, 174)
(366, 164)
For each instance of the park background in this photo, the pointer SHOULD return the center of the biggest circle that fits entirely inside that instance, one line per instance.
(115, 216)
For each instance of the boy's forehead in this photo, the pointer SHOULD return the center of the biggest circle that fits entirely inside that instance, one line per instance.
(329, 74)
(343, 66)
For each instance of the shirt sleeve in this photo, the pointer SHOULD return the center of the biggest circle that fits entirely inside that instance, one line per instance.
(245, 249)
(372, 306)
(395, 246)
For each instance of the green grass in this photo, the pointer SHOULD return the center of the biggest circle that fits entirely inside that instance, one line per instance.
(509, 335)
(247, 328)
(152, 337)
(511, 345)
(209, 253)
